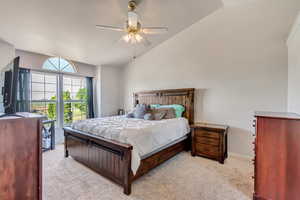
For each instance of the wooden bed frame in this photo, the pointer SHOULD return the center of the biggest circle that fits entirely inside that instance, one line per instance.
(112, 159)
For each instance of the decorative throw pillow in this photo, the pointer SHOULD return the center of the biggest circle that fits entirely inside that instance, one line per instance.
(148, 116)
(169, 113)
(159, 115)
(130, 115)
(179, 109)
(140, 111)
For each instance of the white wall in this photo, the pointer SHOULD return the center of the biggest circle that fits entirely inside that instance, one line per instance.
(236, 58)
(294, 68)
(35, 61)
(97, 92)
(7, 53)
(111, 90)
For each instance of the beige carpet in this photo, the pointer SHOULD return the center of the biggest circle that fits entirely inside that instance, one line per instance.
(182, 178)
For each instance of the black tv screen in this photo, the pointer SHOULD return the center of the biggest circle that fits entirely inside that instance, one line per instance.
(9, 78)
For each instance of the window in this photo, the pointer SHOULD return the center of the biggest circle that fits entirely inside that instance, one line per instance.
(75, 99)
(59, 96)
(59, 64)
(44, 94)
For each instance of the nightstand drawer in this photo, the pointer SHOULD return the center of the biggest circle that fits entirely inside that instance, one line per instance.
(207, 140)
(205, 133)
(210, 141)
(207, 150)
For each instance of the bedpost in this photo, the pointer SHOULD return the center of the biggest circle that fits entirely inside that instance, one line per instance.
(127, 172)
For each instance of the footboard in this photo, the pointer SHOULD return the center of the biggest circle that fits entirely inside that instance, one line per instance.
(108, 158)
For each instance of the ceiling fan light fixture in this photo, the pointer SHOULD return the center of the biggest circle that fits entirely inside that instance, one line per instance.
(132, 38)
(135, 32)
(131, 5)
(138, 37)
(132, 19)
(126, 38)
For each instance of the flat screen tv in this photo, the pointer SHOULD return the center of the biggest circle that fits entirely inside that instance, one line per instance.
(9, 82)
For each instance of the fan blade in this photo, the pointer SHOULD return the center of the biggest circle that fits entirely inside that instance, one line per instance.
(133, 19)
(112, 28)
(155, 30)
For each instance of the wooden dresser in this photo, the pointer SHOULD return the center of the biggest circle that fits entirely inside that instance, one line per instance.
(277, 156)
(209, 140)
(20, 158)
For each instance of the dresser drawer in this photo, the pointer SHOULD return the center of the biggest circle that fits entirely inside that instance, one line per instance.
(207, 140)
(205, 133)
(207, 150)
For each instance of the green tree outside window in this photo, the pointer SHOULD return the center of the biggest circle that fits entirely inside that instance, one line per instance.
(52, 109)
(82, 95)
(68, 113)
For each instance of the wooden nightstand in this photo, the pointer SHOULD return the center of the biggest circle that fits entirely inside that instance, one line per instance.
(210, 141)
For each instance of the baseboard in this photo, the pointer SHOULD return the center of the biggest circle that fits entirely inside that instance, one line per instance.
(240, 155)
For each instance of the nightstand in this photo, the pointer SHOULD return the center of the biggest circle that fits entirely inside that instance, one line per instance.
(210, 141)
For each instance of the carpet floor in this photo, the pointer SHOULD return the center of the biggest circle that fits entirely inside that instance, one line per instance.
(181, 178)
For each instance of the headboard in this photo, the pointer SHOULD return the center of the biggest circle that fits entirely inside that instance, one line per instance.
(183, 97)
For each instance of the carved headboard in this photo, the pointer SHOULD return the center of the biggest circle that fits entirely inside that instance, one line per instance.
(183, 97)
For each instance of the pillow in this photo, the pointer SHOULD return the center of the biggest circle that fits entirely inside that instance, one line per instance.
(169, 112)
(148, 116)
(130, 115)
(152, 106)
(179, 109)
(159, 115)
(140, 110)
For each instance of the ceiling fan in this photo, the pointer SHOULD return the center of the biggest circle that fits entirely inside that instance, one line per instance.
(135, 33)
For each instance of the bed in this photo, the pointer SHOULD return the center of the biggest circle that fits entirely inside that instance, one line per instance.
(113, 159)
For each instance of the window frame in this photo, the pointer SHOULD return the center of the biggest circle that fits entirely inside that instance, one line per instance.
(58, 68)
(72, 100)
(59, 94)
(44, 84)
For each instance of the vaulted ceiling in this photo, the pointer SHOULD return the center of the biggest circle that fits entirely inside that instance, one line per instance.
(67, 27)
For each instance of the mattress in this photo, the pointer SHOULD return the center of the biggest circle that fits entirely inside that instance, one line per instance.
(164, 147)
(147, 137)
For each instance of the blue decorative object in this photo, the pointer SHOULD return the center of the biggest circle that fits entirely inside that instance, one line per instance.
(148, 116)
(140, 111)
(130, 115)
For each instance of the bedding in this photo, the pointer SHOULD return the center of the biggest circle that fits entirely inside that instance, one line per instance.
(169, 112)
(179, 109)
(148, 116)
(144, 135)
(140, 110)
(152, 106)
(158, 114)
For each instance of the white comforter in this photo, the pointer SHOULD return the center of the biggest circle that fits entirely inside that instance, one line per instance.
(144, 135)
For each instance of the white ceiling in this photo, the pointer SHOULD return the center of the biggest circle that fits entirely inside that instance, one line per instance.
(67, 27)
